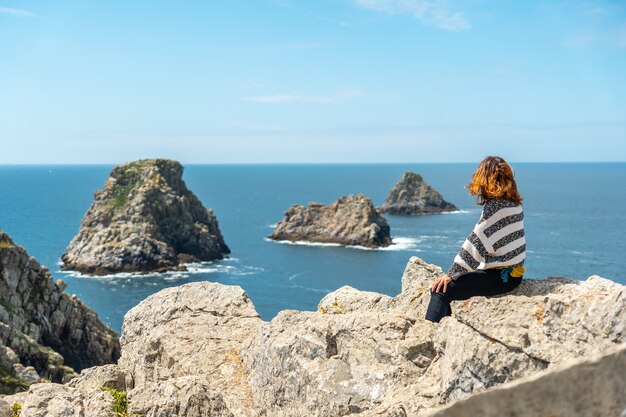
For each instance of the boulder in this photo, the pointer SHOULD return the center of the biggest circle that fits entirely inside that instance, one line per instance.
(5, 409)
(188, 396)
(336, 364)
(591, 386)
(347, 299)
(55, 400)
(198, 330)
(144, 219)
(412, 195)
(109, 376)
(44, 332)
(350, 220)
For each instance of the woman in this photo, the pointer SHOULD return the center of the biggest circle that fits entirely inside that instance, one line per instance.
(491, 260)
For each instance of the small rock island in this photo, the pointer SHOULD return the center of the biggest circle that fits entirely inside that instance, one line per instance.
(351, 220)
(144, 220)
(412, 196)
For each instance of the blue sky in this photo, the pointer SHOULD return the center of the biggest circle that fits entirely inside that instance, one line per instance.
(312, 81)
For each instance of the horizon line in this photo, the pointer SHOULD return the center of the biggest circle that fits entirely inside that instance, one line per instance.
(4, 164)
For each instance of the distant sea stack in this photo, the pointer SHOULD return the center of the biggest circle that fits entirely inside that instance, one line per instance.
(412, 195)
(44, 332)
(143, 220)
(351, 220)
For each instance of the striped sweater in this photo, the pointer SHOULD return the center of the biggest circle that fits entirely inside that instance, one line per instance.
(497, 240)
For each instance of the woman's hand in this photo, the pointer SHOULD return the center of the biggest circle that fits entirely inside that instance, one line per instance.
(442, 282)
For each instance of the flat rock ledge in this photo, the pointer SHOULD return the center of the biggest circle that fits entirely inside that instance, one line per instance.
(201, 349)
(412, 195)
(351, 220)
(144, 220)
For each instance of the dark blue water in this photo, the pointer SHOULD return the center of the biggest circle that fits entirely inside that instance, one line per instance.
(575, 227)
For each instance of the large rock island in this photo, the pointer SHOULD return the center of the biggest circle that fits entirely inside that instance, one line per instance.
(412, 195)
(553, 346)
(351, 220)
(144, 219)
(44, 332)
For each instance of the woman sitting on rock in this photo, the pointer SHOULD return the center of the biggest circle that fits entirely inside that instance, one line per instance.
(491, 260)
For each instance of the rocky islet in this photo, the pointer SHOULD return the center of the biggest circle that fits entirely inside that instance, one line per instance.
(350, 220)
(145, 219)
(412, 196)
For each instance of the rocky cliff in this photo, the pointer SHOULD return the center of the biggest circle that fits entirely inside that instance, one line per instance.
(144, 219)
(412, 195)
(350, 220)
(201, 349)
(44, 332)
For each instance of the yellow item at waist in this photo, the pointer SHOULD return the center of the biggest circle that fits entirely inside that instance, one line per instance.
(516, 271)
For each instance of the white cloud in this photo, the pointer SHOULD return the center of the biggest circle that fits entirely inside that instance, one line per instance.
(435, 13)
(17, 12)
(292, 46)
(342, 96)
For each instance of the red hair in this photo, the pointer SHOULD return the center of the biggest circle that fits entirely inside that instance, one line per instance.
(493, 179)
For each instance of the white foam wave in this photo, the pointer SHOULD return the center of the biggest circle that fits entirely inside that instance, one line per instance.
(192, 269)
(317, 290)
(403, 244)
(302, 242)
(398, 244)
(298, 274)
(273, 225)
(456, 212)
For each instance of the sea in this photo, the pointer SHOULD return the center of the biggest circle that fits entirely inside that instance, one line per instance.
(575, 219)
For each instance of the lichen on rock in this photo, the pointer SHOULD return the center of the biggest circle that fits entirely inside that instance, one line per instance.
(144, 219)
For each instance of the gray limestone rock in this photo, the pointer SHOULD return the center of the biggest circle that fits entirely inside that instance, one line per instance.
(44, 327)
(201, 349)
(55, 400)
(196, 329)
(347, 299)
(111, 376)
(336, 364)
(593, 386)
(188, 396)
(144, 219)
(5, 409)
(412, 195)
(351, 220)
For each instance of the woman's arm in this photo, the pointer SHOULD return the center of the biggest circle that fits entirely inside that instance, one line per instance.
(471, 254)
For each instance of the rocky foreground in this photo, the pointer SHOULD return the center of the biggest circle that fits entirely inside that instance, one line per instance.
(351, 220)
(45, 334)
(412, 195)
(144, 219)
(201, 349)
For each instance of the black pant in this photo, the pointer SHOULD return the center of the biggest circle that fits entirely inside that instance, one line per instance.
(487, 282)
